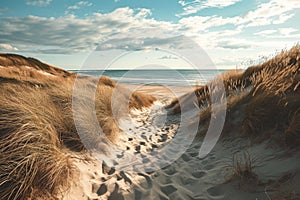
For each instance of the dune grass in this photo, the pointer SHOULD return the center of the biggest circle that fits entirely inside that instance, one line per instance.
(241, 167)
(38, 134)
(31, 155)
(262, 102)
(275, 97)
(285, 195)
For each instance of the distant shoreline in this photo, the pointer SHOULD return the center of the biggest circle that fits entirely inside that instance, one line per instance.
(170, 77)
(78, 70)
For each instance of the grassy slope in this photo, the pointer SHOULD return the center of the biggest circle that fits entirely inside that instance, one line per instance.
(38, 133)
(262, 102)
(37, 130)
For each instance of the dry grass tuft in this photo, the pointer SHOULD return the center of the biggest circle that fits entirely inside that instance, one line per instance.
(241, 168)
(242, 165)
(31, 155)
(263, 100)
(275, 96)
(16, 61)
(37, 129)
(284, 195)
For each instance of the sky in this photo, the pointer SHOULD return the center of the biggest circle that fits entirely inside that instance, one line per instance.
(121, 34)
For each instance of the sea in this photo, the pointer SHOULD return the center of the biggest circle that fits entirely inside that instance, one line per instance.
(157, 77)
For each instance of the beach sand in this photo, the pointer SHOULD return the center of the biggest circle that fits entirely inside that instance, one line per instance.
(161, 91)
(274, 171)
(152, 151)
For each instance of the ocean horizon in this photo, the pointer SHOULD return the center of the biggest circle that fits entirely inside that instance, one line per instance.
(174, 77)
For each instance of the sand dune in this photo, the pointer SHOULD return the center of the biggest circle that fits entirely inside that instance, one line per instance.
(38, 133)
(45, 125)
(259, 100)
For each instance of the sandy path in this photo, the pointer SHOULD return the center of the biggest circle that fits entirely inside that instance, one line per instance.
(189, 177)
(100, 180)
(160, 91)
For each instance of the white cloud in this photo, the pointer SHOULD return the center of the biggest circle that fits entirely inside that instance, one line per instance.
(3, 10)
(133, 29)
(168, 57)
(283, 18)
(287, 31)
(41, 3)
(235, 44)
(272, 12)
(182, 2)
(199, 23)
(291, 3)
(266, 32)
(67, 34)
(281, 33)
(124, 28)
(79, 5)
(143, 13)
(8, 47)
(219, 3)
(191, 7)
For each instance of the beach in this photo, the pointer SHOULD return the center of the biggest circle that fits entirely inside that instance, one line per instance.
(191, 177)
(69, 136)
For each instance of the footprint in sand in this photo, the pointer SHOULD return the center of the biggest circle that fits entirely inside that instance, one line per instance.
(126, 179)
(102, 190)
(186, 157)
(170, 170)
(186, 180)
(147, 184)
(204, 162)
(137, 194)
(193, 154)
(215, 192)
(208, 167)
(168, 190)
(213, 157)
(198, 174)
(115, 195)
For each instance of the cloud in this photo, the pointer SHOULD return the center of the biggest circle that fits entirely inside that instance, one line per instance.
(79, 5)
(8, 47)
(40, 3)
(287, 31)
(280, 33)
(283, 18)
(154, 39)
(266, 32)
(143, 13)
(123, 28)
(191, 7)
(3, 10)
(168, 57)
(272, 12)
(200, 23)
(234, 44)
(57, 33)
(132, 29)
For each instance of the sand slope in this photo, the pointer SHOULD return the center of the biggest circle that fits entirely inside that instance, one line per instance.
(42, 155)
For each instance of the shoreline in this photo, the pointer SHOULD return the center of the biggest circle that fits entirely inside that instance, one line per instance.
(161, 91)
(42, 135)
